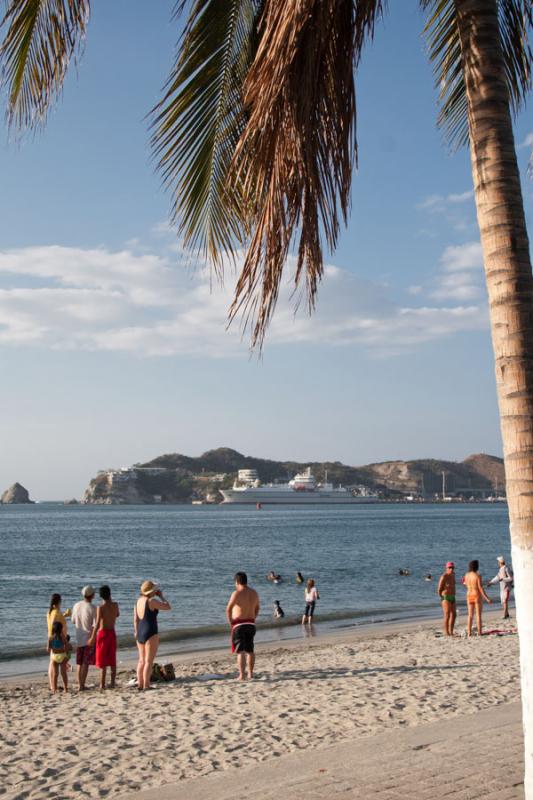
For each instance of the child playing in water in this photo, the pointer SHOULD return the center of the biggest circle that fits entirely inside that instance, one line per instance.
(59, 650)
(278, 611)
(311, 596)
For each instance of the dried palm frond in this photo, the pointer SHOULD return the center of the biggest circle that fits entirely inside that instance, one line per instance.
(515, 18)
(295, 157)
(198, 122)
(41, 39)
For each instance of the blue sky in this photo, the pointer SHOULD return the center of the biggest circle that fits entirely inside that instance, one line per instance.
(112, 350)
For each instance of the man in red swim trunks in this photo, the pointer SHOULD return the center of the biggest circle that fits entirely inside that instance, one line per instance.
(105, 636)
(241, 613)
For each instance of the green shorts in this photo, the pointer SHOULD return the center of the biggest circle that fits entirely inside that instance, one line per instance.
(448, 598)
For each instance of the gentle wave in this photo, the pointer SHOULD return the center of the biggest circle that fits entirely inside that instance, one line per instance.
(210, 631)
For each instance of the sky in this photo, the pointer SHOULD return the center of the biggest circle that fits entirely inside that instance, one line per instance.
(114, 349)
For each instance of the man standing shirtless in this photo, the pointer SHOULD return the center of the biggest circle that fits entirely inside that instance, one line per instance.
(241, 613)
(105, 636)
(446, 590)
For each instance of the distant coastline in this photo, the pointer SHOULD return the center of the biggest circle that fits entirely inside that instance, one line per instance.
(176, 478)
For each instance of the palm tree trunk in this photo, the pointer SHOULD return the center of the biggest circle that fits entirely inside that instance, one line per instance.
(507, 261)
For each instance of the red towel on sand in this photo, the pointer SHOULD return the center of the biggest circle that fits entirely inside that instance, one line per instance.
(106, 649)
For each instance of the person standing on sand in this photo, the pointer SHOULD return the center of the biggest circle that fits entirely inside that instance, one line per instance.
(55, 614)
(105, 636)
(241, 613)
(446, 591)
(59, 656)
(146, 630)
(475, 594)
(311, 596)
(505, 578)
(83, 619)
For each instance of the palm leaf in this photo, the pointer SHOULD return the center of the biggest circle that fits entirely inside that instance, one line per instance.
(515, 18)
(198, 122)
(41, 38)
(295, 157)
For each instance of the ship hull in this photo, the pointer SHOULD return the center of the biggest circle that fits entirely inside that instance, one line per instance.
(292, 498)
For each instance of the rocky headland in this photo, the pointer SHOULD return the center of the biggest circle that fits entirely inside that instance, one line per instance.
(176, 478)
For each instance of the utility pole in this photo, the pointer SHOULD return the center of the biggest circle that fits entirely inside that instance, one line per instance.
(443, 486)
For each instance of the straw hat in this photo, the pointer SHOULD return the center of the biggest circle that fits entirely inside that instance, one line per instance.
(148, 588)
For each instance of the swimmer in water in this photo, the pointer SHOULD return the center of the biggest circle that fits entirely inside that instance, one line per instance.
(278, 611)
(299, 577)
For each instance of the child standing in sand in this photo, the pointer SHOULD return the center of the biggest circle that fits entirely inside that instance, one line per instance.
(105, 637)
(59, 650)
(311, 596)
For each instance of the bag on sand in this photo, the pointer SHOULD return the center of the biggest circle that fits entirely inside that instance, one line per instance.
(163, 672)
(167, 672)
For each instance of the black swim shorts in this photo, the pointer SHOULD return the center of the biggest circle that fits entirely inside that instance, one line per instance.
(243, 638)
(309, 609)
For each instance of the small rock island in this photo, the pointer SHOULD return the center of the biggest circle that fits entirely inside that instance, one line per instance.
(16, 494)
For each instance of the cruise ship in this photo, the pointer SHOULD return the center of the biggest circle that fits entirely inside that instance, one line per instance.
(302, 489)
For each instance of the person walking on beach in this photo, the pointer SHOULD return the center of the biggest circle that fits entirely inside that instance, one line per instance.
(446, 591)
(311, 596)
(505, 578)
(83, 619)
(475, 594)
(241, 613)
(146, 630)
(59, 650)
(105, 637)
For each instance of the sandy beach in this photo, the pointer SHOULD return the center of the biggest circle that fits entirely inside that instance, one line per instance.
(307, 694)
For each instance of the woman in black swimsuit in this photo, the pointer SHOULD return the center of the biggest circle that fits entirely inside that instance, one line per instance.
(147, 608)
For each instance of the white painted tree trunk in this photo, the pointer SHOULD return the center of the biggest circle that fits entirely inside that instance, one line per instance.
(505, 244)
(523, 572)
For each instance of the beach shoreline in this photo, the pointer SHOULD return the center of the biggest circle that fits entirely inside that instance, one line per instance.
(308, 693)
(293, 636)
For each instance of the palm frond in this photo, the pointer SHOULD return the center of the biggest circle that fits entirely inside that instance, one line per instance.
(295, 158)
(442, 34)
(41, 38)
(198, 122)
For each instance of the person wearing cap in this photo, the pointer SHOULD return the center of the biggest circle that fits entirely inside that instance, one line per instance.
(147, 607)
(446, 590)
(83, 619)
(505, 578)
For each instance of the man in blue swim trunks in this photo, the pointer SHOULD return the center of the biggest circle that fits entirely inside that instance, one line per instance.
(241, 613)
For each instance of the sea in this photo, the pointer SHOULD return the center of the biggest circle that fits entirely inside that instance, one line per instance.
(354, 553)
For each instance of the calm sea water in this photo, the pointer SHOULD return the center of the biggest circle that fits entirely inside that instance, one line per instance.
(354, 553)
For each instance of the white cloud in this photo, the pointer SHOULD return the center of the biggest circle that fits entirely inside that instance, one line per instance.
(461, 276)
(149, 305)
(468, 256)
(439, 203)
(528, 141)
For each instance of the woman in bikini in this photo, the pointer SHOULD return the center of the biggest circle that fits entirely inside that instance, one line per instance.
(145, 614)
(475, 594)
